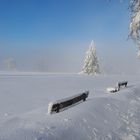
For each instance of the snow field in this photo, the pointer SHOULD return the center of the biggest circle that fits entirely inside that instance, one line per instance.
(24, 103)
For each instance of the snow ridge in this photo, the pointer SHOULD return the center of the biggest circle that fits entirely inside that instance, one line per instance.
(109, 117)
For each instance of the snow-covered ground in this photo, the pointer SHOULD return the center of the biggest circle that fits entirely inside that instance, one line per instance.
(24, 99)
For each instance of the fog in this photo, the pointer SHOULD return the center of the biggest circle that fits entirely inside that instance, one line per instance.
(68, 57)
(53, 36)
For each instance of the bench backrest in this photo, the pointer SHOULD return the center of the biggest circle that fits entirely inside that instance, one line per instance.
(67, 102)
(123, 83)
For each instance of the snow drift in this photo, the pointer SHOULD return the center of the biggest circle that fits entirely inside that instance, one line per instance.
(103, 116)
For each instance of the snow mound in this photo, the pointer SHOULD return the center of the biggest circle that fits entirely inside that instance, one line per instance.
(108, 117)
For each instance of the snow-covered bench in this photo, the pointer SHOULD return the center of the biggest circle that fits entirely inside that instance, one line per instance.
(59, 105)
(120, 84)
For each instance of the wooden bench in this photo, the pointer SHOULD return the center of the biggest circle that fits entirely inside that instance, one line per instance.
(55, 107)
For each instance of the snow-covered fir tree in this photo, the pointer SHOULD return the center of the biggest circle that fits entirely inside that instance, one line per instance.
(91, 64)
(10, 64)
(135, 22)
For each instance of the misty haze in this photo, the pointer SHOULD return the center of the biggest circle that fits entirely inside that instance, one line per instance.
(69, 70)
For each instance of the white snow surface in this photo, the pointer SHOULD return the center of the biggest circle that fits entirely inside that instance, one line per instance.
(24, 99)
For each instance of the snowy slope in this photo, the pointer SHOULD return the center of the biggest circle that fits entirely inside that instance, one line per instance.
(24, 100)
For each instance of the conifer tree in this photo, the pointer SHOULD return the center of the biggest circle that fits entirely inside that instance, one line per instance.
(91, 64)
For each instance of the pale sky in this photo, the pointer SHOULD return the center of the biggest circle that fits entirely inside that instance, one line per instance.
(58, 33)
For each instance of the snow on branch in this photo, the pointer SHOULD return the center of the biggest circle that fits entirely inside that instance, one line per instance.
(135, 22)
